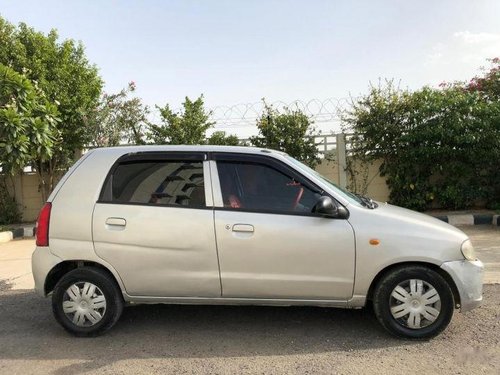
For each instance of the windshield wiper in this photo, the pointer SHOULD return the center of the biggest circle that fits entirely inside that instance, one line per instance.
(367, 201)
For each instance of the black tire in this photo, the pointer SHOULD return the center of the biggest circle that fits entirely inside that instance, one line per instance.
(382, 302)
(109, 289)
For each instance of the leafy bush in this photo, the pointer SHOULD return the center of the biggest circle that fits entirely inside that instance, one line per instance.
(188, 126)
(118, 118)
(27, 122)
(290, 131)
(9, 211)
(439, 147)
(61, 70)
(222, 139)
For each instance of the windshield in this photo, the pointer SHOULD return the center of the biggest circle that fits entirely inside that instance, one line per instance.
(352, 198)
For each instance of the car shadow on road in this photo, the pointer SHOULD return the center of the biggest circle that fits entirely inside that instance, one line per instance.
(28, 331)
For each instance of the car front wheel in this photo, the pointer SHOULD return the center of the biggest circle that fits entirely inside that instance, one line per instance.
(414, 302)
(87, 302)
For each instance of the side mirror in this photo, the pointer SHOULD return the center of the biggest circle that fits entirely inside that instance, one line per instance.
(327, 207)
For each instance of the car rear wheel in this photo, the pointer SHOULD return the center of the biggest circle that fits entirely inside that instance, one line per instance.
(87, 302)
(414, 302)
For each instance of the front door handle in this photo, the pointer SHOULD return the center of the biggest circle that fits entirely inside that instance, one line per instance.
(116, 221)
(246, 228)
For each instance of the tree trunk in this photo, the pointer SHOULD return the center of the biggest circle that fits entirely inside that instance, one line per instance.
(41, 180)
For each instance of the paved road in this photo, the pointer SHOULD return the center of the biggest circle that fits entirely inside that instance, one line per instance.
(15, 263)
(486, 240)
(228, 340)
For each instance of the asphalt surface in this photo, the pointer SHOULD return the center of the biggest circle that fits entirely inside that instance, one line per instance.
(161, 339)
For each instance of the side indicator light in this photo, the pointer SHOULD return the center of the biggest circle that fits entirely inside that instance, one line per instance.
(374, 242)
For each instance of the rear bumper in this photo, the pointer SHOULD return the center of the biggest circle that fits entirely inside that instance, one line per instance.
(468, 277)
(42, 262)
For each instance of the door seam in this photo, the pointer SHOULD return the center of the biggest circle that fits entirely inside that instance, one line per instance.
(215, 231)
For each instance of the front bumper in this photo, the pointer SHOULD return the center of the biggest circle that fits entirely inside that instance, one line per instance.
(468, 277)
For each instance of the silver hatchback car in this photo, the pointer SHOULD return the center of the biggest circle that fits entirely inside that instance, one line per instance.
(240, 225)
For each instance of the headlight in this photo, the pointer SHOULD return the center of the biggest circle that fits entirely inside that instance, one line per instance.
(468, 250)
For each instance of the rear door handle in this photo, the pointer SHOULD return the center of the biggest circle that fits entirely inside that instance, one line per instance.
(246, 228)
(116, 221)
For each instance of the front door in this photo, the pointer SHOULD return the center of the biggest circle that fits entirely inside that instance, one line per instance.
(154, 224)
(270, 244)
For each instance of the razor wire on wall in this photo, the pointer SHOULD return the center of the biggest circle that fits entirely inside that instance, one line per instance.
(241, 118)
(247, 113)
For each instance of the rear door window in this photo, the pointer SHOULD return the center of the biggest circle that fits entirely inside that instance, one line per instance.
(156, 182)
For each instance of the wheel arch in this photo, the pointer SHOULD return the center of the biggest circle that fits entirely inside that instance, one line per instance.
(62, 268)
(434, 267)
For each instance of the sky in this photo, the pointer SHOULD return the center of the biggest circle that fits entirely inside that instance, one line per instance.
(237, 52)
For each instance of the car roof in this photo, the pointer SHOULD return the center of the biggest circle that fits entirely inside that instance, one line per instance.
(186, 148)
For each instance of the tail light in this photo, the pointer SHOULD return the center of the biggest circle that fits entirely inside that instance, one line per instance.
(42, 225)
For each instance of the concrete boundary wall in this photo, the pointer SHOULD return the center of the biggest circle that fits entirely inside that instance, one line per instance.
(366, 178)
(26, 190)
(333, 150)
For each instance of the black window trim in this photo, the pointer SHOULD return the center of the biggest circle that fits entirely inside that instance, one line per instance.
(156, 205)
(271, 162)
(153, 156)
(215, 156)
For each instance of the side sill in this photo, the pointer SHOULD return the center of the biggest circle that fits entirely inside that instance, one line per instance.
(235, 301)
(357, 302)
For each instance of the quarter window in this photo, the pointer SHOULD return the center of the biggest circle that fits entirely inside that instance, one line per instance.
(178, 183)
(254, 186)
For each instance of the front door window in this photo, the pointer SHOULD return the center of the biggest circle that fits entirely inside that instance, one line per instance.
(259, 187)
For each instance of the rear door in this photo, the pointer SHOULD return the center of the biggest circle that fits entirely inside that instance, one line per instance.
(269, 242)
(154, 224)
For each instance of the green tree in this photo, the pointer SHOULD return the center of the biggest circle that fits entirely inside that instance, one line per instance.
(117, 119)
(28, 124)
(187, 127)
(488, 84)
(220, 138)
(438, 146)
(290, 131)
(63, 72)
(488, 87)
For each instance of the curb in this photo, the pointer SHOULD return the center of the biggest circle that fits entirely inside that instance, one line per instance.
(22, 232)
(471, 219)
